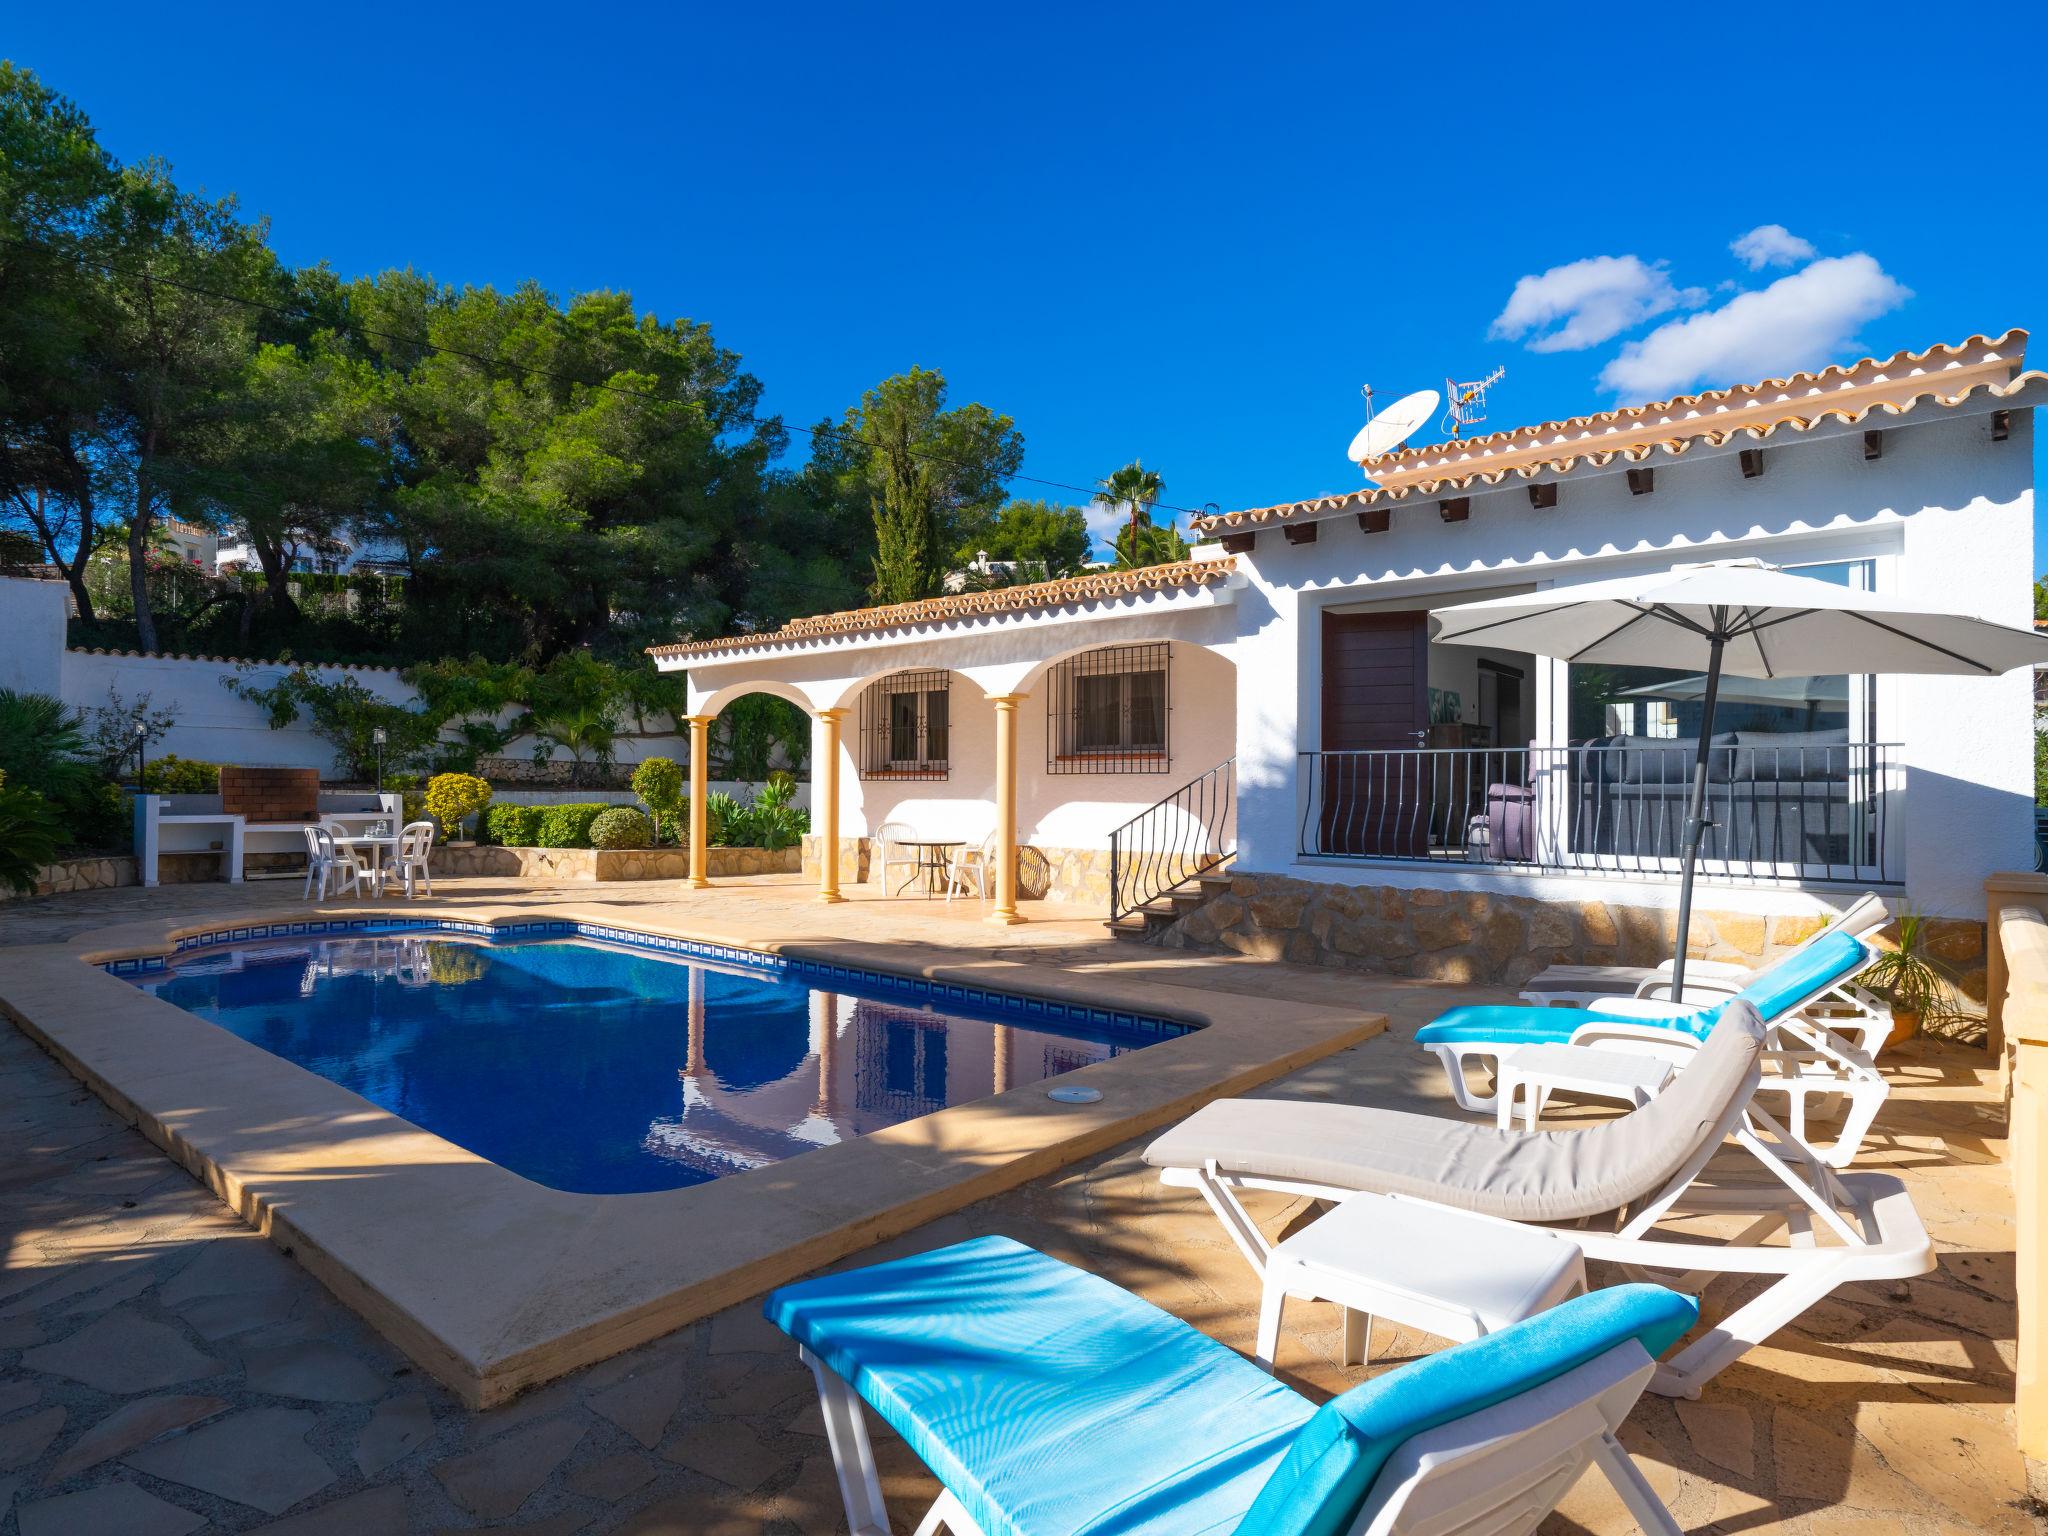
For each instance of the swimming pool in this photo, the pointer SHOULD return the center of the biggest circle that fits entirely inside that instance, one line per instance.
(588, 1065)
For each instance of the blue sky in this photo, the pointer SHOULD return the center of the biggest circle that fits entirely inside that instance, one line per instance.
(1184, 233)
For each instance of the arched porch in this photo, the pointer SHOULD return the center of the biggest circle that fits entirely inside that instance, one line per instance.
(1043, 748)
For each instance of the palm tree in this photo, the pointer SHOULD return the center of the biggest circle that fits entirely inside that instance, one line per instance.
(1137, 488)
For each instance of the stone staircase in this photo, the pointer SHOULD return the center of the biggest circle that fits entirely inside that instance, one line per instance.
(1148, 924)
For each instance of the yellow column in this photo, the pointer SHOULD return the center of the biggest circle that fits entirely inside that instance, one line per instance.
(1006, 808)
(700, 791)
(828, 853)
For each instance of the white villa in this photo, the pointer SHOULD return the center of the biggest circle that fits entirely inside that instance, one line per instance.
(1275, 700)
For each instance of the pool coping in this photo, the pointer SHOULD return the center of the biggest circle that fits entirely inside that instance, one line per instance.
(494, 1284)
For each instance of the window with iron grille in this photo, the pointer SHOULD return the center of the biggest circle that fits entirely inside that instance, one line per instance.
(1107, 711)
(905, 725)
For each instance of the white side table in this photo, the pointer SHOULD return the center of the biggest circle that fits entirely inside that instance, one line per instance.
(1447, 1272)
(1537, 1071)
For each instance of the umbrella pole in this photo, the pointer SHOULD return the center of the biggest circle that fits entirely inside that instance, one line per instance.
(1695, 822)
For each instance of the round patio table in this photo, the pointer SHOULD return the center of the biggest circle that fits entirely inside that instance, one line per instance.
(934, 855)
(376, 846)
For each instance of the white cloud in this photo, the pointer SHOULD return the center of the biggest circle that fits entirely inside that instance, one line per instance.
(1105, 523)
(1596, 298)
(1802, 320)
(1772, 245)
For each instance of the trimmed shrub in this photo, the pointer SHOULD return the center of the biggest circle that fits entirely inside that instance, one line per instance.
(659, 784)
(452, 798)
(174, 775)
(515, 826)
(568, 826)
(622, 827)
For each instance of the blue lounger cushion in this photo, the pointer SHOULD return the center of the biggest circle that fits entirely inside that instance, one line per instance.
(1048, 1400)
(1330, 1469)
(1773, 991)
(1052, 1403)
(1506, 1024)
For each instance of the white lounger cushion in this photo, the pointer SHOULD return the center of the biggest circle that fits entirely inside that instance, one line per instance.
(1543, 1176)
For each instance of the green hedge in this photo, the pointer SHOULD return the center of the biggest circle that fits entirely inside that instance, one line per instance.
(174, 775)
(516, 826)
(543, 826)
(568, 826)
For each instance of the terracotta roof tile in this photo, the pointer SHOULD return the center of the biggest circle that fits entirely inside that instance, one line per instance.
(1091, 586)
(1944, 376)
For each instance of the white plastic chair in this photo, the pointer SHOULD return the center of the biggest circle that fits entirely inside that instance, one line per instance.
(329, 867)
(972, 869)
(415, 848)
(890, 838)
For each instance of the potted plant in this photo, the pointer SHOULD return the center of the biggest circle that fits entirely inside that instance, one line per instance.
(452, 798)
(1916, 986)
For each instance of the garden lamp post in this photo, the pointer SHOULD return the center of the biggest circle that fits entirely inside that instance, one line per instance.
(378, 737)
(141, 755)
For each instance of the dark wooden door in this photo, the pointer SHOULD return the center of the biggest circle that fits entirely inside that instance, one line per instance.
(1373, 785)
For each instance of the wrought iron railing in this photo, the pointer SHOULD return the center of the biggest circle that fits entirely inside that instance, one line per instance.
(1774, 813)
(1184, 836)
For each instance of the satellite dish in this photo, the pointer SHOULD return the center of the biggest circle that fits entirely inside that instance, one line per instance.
(1393, 426)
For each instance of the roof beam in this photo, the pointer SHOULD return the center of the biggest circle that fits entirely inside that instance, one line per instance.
(1300, 533)
(1454, 509)
(1239, 543)
(1752, 462)
(1873, 444)
(2001, 426)
(1376, 519)
(1642, 481)
(1544, 495)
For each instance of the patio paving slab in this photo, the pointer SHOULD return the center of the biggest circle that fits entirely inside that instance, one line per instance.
(119, 1507)
(1874, 1390)
(129, 1426)
(257, 1457)
(123, 1352)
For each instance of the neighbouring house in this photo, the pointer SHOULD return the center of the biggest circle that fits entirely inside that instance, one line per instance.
(338, 554)
(1276, 700)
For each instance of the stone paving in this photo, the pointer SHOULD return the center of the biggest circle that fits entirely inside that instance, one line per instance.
(164, 1370)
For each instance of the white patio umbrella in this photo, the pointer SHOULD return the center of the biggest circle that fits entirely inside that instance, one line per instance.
(1737, 617)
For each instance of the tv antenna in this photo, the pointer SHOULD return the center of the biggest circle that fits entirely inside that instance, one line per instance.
(1468, 402)
(1387, 430)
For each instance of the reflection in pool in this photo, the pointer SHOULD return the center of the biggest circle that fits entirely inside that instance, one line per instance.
(604, 1070)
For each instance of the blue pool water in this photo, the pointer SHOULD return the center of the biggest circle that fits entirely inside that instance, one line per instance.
(600, 1069)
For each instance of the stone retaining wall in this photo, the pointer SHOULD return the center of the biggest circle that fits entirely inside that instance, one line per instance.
(1079, 875)
(1498, 938)
(92, 872)
(577, 866)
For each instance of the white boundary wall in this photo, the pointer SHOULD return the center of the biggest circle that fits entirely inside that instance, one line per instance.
(214, 725)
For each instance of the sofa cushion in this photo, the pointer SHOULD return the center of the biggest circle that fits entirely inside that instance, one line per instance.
(1791, 757)
(1669, 760)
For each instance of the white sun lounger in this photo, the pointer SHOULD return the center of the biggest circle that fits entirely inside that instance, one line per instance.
(1048, 1402)
(1819, 970)
(1617, 1187)
(1707, 981)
